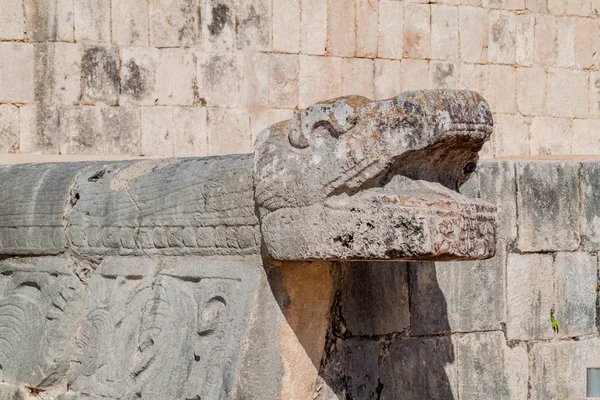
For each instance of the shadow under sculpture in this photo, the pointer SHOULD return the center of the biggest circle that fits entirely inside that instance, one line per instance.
(221, 277)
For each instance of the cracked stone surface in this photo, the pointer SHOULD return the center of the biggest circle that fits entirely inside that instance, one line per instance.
(188, 278)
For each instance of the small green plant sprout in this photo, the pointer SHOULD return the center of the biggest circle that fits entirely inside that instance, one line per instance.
(555, 324)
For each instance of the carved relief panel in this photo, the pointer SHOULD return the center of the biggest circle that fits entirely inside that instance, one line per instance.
(155, 331)
(40, 305)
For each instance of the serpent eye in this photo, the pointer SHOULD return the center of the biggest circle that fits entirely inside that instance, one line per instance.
(469, 168)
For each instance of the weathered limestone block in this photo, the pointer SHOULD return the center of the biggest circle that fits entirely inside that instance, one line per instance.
(39, 129)
(387, 78)
(57, 73)
(92, 20)
(341, 33)
(502, 40)
(576, 282)
(367, 28)
(417, 31)
(174, 23)
(353, 370)
(157, 131)
(497, 185)
(80, 130)
(473, 27)
(218, 24)
(129, 22)
(313, 29)
(414, 74)
(189, 131)
(16, 72)
(223, 125)
(254, 25)
(139, 67)
(529, 294)
(550, 135)
(559, 369)
(489, 369)
(49, 20)
(216, 71)
(100, 76)
(254, 93)
(286, 26)
(459, 296)
(283, 80)
(590, 190)
(443, 75)
(219, 278)
(175, 77)
(122, 129)
(548, 205)
(12, 21)
(9, 128)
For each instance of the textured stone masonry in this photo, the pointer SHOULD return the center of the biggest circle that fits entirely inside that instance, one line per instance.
(235, 276)
(536, 62)
(483, 328)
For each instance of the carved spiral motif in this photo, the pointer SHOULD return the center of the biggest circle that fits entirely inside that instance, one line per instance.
(93, 341)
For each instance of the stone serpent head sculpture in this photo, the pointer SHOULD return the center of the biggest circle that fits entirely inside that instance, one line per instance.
(353, 178)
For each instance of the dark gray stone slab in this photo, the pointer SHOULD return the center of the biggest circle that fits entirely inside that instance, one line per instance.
(352, 371)
(496, 184)
(576, 293)
(375, 297)
(548, 205)
(419, 368)
(590, 189)
(458, 296)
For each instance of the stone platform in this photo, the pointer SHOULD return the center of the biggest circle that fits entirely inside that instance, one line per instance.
(216, 278)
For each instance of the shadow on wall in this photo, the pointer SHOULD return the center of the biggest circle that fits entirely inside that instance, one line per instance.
(361, 343)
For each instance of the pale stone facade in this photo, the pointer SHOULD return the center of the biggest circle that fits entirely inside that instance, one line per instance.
(160, 67)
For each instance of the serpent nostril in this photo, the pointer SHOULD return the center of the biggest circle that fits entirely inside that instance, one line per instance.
(470, 167)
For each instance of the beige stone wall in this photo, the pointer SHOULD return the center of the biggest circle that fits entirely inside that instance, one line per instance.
(203, 77)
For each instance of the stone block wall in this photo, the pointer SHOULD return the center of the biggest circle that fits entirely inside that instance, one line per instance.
(203, 77)
(481, 330)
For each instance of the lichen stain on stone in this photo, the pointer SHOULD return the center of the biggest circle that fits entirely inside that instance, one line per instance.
(136, 84)
(500, 32)
(253, 17)
(413, 41)
(220, 16)
(99, 70)
(214, 68)
(44, 66)
(192, 20)
(442, 73)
